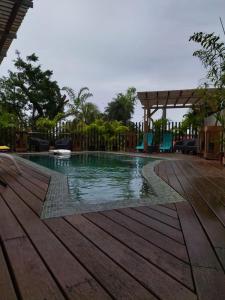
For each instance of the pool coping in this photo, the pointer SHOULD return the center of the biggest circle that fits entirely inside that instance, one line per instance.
(58, 201)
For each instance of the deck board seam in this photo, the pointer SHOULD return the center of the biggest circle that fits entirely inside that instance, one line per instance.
(139, 254)
(13, 176)
(112, 259)
(10, 270)
(99, 249)
(162, 212)
(156, 219)
(191, 267)
(18, 195)
(39, 175)
(150, 242)
(173, 209)
(202, 226)
(37, 171)
(74, 256)
(35, 248)
(36, 184)
(213, 183)
(182, 244)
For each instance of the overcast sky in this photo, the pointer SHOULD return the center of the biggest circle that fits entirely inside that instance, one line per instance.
(110, 45)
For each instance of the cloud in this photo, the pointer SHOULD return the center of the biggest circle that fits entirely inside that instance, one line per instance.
(111, 45)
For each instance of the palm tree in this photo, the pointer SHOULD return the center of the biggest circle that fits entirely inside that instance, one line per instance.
(77, 101)
(89, 113)
(121, 108)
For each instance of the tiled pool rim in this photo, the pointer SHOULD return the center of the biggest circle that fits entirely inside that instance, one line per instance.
(59, 203)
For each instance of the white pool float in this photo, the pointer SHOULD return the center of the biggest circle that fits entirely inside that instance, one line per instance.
(60, 152)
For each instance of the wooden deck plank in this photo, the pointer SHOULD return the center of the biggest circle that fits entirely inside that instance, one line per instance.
(168, 263)
(116, 281)
(162, 171)
(211, 195)
(25, 261)
(172, 179)
(212, 226)
(6, 286)
(173, 222)
(33, 188)
(73, 279)
(154, 224)
(34, 176)
(219, 184)
(34, 202)
(33, 279)
(168, 209)
(128, 253)
(156, 281)
(9, 227)
(29, 175)
(170, 206)
(152, 236)
(36, 173)
(208, 274)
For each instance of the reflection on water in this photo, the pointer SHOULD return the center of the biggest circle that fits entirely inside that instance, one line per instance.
(98, 178)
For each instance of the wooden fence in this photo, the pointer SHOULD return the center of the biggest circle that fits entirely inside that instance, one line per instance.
(82, 140)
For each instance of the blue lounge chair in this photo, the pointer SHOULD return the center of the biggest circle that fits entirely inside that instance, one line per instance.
(167, 142)
(149, 137)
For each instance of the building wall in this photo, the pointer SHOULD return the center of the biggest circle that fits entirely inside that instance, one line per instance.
(211, 120)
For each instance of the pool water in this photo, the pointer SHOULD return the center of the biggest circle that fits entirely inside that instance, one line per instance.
(100, 177)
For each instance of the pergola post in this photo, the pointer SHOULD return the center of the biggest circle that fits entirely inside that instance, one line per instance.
(145, 129)
(147, 124)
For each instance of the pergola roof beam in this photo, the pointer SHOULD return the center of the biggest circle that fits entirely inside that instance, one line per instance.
(171, 99)
(180, 94)
(12, 13)
(10, 35)
(27, 3)
(188, 99)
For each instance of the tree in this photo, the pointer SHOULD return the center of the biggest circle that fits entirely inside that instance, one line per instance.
(30, 93)
(7, 119)
(212, 56)
(46, 123)
(107, 129)
(89, 113)
(122, 107)
(78, 107)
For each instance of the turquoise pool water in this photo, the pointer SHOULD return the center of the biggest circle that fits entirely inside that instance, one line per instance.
(100, 177)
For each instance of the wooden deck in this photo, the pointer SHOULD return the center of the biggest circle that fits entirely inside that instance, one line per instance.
(172, 251)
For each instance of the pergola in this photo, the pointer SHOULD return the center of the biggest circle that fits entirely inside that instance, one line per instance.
(12, 13)
(154, 100)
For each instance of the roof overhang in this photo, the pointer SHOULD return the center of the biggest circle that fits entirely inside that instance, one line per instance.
(173, 98)
(12, 13)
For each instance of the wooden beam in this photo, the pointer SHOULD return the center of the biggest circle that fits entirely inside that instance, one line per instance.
(152, 113)
(14, 12)
(10, 35)
(180, 94)
(197, 101)
(192, 94)
(27, 3)
(171, 106)
(167, 99)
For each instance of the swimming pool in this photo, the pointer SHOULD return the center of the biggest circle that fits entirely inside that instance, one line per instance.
(98, 181)
(100, 177)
